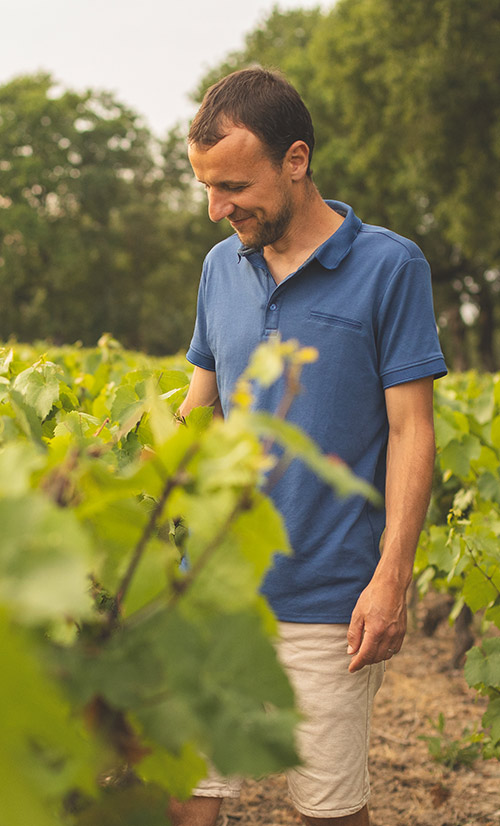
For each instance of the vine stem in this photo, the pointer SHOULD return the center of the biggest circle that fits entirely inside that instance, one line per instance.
(180, 587)
(486, 576)
(171, 483)
(292, 389)
(101, 428)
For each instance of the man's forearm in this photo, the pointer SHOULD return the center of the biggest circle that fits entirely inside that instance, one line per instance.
(203, 392)
(378, 622)
(410, 463)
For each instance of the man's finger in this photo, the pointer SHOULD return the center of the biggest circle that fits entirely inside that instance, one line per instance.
(355, 634)
(367, 653)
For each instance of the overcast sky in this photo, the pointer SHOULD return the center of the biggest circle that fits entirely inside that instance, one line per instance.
(150, 53)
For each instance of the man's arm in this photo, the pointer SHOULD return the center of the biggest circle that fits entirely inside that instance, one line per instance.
(378, 622)
(203, 392)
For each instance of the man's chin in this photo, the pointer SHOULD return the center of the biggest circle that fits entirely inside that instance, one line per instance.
(248, 239)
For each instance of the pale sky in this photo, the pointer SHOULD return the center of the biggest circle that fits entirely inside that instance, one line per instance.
(149, 53)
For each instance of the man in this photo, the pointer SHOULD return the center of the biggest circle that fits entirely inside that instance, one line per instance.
(306, 268)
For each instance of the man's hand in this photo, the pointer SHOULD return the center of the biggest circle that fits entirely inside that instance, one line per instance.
(378, 623)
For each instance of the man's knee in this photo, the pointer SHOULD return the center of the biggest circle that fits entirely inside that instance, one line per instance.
(198, 811)
(360, 818)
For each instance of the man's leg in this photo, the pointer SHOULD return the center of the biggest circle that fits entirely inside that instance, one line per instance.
(360, 818)
(331, 786)
(198, 811)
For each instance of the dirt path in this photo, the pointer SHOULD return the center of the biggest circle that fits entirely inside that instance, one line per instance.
(408, 788)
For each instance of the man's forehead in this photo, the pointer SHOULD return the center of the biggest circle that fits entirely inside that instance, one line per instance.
(235, 140)
(231, 158)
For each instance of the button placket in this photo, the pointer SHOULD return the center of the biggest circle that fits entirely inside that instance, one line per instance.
(271, 319)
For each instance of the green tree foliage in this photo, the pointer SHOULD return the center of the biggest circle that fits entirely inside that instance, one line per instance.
(96, 229)
(415, 124)
(119, 669)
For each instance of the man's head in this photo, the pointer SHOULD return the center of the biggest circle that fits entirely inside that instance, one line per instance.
(250, 145)
(261, 101)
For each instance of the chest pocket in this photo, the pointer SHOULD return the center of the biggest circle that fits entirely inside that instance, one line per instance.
(335, 320)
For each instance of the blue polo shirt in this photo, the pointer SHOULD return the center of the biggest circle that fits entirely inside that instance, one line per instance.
(364, 300)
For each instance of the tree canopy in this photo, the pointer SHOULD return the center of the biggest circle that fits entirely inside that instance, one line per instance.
(100, 227)
(96, 231)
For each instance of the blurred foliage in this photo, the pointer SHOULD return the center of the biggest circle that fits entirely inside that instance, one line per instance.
(120, 668)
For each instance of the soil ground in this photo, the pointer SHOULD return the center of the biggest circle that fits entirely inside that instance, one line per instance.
(408, 787)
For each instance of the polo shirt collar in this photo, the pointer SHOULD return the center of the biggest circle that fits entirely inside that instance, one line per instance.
(335, 248)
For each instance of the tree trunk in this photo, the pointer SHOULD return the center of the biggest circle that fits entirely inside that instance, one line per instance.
(486, 323)
(459, 352)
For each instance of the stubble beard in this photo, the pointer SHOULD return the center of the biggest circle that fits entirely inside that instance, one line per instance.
(270, 231)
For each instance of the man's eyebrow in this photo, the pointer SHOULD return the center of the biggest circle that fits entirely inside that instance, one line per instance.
(228, 183)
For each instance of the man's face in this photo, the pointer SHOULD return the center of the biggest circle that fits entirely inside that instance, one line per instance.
(244, 186)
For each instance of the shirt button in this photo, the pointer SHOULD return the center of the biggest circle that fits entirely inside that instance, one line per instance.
(273, 307)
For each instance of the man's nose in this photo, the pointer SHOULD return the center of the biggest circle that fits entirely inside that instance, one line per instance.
(219, 205)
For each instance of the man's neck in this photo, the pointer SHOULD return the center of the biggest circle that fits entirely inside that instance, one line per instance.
(313, 224)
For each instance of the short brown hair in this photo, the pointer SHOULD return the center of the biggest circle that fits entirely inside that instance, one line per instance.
(264, 103)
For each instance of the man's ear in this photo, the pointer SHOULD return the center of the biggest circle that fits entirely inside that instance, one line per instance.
(297, 160)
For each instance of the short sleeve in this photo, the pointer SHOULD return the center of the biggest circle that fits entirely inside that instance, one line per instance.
(407, 339)
(199, 352)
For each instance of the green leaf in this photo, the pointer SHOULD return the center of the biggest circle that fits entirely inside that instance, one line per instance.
(45, 751)
(457, 455)
(188, 681)
(126, 407)
(139, 805)
(261, 533)
(489, 486)
(298, 445)
(495, 432)
(18, 461)
(200, 418)
(150, 578)
(440, 553)
(26, 417)
(491, 719)
(6, 359)
(493, 613)
(44, 561)
(445, 427)
(179, 774)
(478, 591)
(482, 667)
(77, 423)
(266, 363)
(116, 524)
(39, 387)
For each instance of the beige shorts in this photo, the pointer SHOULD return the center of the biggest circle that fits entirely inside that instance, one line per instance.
(333, 738)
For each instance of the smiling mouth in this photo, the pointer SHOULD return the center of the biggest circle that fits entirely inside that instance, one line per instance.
(237, 222)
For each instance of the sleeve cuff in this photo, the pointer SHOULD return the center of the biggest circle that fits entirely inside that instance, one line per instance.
(431, 367)
(200, 359)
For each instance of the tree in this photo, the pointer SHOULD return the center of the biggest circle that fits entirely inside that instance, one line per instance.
(69, 160)
(99, 229)
(417, 110)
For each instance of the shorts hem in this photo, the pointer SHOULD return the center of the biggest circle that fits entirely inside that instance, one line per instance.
(351, 810)
(223, 794)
